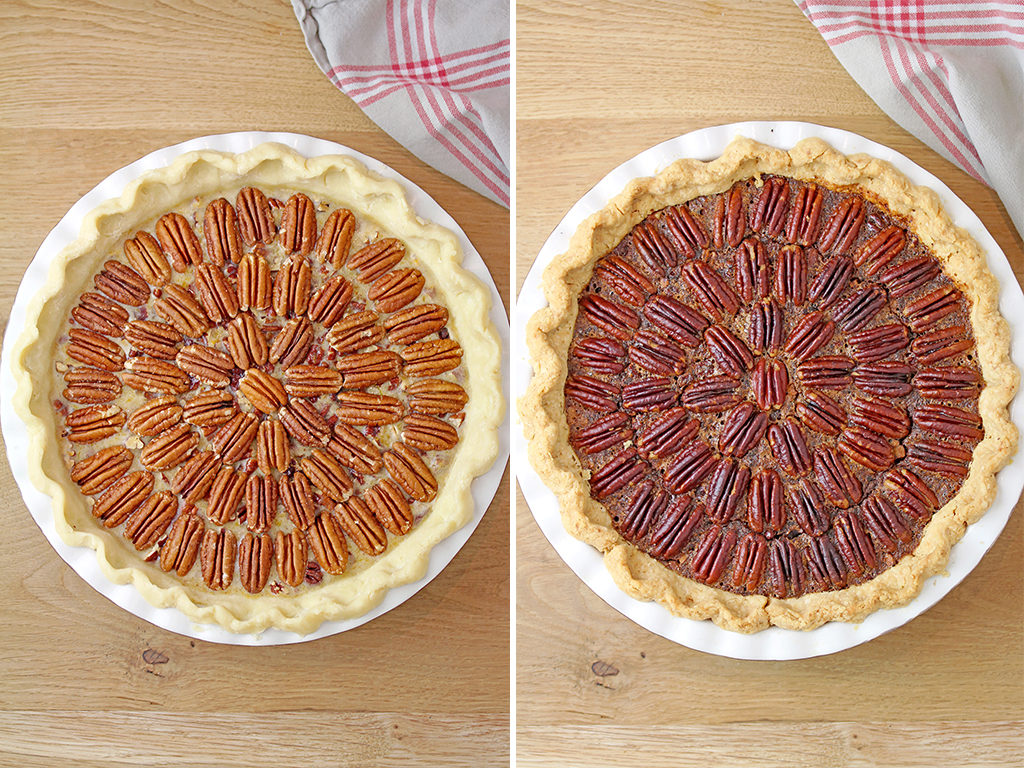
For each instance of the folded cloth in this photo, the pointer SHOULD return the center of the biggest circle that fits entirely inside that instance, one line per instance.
(951, 73)
(434, 74)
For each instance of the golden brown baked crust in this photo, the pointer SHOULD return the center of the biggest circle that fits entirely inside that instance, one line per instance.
(550, 332)
(382, 204)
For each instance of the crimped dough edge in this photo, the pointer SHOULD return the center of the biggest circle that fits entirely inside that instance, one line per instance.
(344, 181)
(549, 334)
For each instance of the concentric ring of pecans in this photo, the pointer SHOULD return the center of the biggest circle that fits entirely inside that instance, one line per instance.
(773, 388)
(306, 375)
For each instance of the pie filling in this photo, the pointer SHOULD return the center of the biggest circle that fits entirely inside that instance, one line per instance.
(261, 393)
(773, 389)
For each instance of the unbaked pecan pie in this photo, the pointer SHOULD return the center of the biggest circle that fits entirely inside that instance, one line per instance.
(781, 380)
(264, 389)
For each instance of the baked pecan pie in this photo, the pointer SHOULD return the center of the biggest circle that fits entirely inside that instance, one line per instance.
(778, 386)
(270, 388)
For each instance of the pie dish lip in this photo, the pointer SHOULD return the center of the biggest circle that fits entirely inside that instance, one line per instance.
(83, 559)
(587, 562)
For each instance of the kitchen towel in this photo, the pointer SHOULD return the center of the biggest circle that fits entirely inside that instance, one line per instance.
(434, 74)
(951, 73)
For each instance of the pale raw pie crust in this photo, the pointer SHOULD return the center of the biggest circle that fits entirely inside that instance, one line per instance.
(381, 209)
(550, 333)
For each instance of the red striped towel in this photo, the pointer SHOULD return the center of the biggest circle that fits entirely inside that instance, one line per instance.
(951, 73)
(434, 74)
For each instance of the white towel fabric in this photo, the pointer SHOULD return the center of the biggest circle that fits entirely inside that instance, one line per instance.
(951, 73)
(434, 74)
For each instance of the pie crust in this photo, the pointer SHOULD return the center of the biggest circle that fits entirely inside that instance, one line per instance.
(550, 334)
(381, 212)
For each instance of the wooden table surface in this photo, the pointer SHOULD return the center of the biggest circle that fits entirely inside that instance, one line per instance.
(598, 82)
(86, 88)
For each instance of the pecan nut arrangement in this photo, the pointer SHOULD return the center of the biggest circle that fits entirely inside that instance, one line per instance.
(260, 387)
(772, 389)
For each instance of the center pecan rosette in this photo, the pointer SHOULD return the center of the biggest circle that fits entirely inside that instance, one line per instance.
(208, 389)
(774, 388)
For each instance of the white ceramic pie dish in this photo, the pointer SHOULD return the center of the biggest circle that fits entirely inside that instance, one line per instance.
(82, 560)
(588, 563)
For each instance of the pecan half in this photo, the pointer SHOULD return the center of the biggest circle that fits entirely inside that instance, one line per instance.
(151, 520)
(154, 338)
(727, 488)
(209, 365)
(875, 254)
(625, 279)
(941, 457)
(360, 330)
(365, 369)
(786, 569)
(769, 212)
(374, 259)
(831, 281)
(821, 413)
(246, 342)
(924, 313)
(946, 421)
(327, 474)
(867, 448)
(255, 220)
(429, 358)
(608, 431)
(677, 320)
(147, 374)
(874, 344)
(122, 284)
(390, 507)
(89, 385)
(234, 439)
(216, 294)
(292, 343)
(824, 563)
(671, 533)
(790, 447)
(195, 477)
(650, 394)
(941, 344)
(179, 307)
(220, 227)
(742, 430)
(910, 493)
(297, 496)
(396, 289)
(713, 554)
(880, 416)
(255, 556)
(217, 558)
(358, 521)
(644, 506)
(414, 323)
(209, 409)
(410, 472)
(906, 277)
(358, 452)
(225, 495)
(298, 225)
(653, 352)
(731, 353)
(254, 285)
(291, 552)
(769, 381)
(661, 439)
(791, 275)
(179, 551)
(336, 238)
(145, 257)
(753, 277)
(710, 289)
(751, 558)
(712, 394)
(601, 354)
(100, 314)
(305, 423)
(730, 223)
(886, 524)
(272, 449)
(887, 378)
(765, 510)
(428, 433)
(948, 383)
(364, 409)
(170, 449)
(805, 215)
(623, 470)
(262, 390)
(261, 496)
(179, 241)
(327, 540)
(811, 333)
(836, 480)
(843, 226)
(436, 396)
(808, 508)
(826, 372)
(312, 381)
(766, 331)
(292, 287)
(653, 247)
(690, 467)
(93, 423)
(328, 303)
(685, 230)
(610, 316)
(123, 497)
